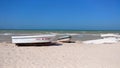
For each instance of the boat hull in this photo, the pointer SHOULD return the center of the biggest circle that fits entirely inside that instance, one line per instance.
(64, 40)
(102, 41)
(33, 39)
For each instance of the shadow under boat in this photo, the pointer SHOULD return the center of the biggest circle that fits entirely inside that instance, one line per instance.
(38, 44)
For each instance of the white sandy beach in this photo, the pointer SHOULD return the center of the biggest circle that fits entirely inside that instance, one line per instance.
(68, 55)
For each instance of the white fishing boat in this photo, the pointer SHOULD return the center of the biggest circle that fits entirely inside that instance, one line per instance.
(110, 35)
(33, 39)
(102, 41)
(64, 39)
(106, 38)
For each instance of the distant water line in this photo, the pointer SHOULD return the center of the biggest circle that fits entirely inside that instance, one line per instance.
(57, 31)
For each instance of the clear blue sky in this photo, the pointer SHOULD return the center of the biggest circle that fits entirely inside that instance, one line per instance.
(60, 14)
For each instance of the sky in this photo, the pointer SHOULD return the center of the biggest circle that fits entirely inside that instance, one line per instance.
(60, 14)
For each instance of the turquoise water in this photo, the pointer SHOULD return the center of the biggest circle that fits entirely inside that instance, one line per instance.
(57, 31)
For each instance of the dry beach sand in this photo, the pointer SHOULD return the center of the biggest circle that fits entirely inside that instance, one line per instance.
(67, 55)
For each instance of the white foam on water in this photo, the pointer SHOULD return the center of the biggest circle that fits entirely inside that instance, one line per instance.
(6, 34)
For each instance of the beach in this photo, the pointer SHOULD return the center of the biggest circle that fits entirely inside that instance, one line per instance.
(61, 55)
(66, 55)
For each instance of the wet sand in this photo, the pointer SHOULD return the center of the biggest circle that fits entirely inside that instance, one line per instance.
(67, 55)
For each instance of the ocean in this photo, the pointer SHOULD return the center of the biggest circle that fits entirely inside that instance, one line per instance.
(81, 35)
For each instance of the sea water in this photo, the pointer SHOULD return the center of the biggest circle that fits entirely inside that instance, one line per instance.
(5, 35)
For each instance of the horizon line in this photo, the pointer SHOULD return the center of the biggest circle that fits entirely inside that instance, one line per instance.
(70, 29)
